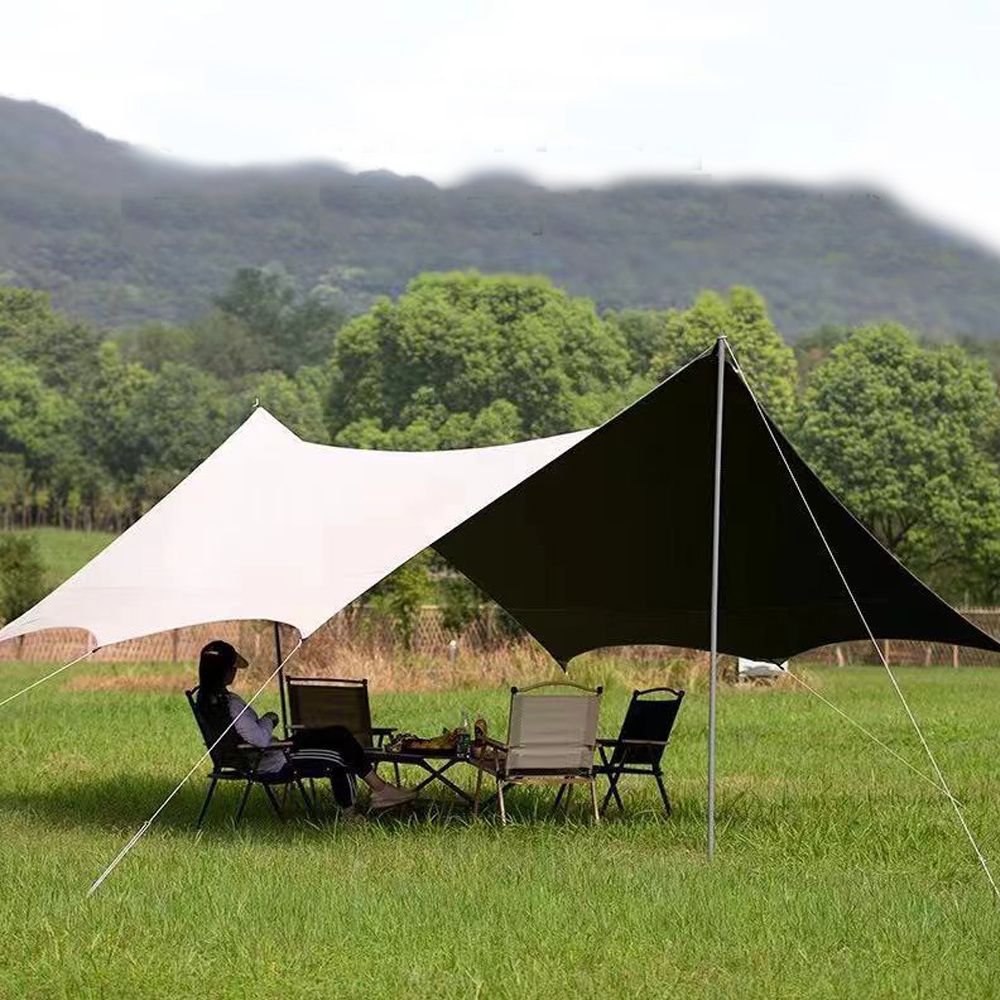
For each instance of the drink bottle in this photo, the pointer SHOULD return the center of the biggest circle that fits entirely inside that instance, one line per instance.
(464, 743)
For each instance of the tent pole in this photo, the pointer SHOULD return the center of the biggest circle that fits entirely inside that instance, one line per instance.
(714, 636)
(281, 677)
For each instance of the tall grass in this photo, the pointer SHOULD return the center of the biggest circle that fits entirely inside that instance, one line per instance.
(839, 873)
(388, 667)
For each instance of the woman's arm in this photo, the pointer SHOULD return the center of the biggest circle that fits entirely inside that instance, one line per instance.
(251, 728)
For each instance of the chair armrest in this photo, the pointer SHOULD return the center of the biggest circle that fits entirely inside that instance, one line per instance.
(489, 746)
(489, 755)
(276, 745)
(255, 754)
(632, 743)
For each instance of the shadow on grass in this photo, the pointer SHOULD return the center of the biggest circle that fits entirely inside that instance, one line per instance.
(124, 802)
(121, 802)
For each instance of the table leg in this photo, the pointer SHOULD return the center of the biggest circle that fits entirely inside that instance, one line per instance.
(437, 774)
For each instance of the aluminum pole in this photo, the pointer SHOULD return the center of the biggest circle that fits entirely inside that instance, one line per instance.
(281, 678)
(714, 634)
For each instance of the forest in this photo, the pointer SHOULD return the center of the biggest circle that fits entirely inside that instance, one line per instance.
(97, 425)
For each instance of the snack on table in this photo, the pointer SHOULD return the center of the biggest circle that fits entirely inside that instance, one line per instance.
(448, 740)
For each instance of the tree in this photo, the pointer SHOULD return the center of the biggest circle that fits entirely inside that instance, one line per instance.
(288, 329)
(109, 421)
(154, 343)
(814, 346)
(643, 330)
(463, 604)
(182, 416)
(15, 486)
(62, 350)
(22, 309)
(39, 423)
(903, 434)
(468, 358)
(296, 402)
(402, 594)
(225, 347)
(768, 363)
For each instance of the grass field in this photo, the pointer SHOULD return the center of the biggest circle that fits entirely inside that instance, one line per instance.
(839, 873)
(63, 552)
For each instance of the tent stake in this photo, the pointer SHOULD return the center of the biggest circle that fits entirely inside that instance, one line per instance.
(714, 637)
(281, 677)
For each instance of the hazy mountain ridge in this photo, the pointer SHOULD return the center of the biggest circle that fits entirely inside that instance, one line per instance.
(119, 236)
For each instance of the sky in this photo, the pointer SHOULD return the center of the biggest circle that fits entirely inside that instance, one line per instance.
(902, 96)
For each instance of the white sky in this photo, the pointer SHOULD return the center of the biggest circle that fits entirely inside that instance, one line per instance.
(901, 95)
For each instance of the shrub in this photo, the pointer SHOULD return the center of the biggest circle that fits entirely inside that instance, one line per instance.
(22, 574)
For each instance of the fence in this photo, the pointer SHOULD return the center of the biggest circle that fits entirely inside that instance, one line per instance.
(365, 629)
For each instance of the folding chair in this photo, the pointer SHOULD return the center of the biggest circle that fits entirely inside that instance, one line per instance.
(315, 702)
(233, 760)
(639, 746)
(550, 740)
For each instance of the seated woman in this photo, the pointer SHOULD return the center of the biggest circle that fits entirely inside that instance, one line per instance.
(331, 751)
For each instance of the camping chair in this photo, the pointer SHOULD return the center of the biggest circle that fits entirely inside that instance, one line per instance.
(234, 760)
(315, 702)
(551, 740)
(639, 746)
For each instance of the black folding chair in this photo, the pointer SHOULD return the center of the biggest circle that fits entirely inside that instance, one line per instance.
(639, 746)
(234, 760)
(316, 702)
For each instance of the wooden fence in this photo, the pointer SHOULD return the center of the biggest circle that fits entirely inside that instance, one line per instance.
(363, 628)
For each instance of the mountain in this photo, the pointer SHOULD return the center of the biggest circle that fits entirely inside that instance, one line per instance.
(121, 236)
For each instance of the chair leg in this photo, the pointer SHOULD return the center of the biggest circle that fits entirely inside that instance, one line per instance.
(618, 797)
(395, 770)
(274, 801)
(207, 803)
(663, 793)
(607, 798)
(559, 795)
(479, 788)
(243, 802)
(593, 800)
(307, 800)
(503, 806)
(613, 778)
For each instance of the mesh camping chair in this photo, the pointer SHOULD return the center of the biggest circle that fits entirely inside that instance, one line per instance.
(315, 702)
(550, 740)
(234, 760)
(639, 746)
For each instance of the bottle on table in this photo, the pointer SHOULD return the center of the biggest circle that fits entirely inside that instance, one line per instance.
(464, 743)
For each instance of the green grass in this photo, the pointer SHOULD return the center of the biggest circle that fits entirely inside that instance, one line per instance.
(839, 873)
(63, 552)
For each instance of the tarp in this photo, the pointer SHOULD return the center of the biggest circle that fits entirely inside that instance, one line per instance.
(610, 544)
(590, 539)
(272, 527)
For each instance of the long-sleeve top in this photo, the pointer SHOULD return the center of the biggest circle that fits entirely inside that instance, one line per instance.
(256, 731)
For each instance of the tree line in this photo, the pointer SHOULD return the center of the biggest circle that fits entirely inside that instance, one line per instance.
(96, 426)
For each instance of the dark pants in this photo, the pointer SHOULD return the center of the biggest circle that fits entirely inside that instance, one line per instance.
(314, 752)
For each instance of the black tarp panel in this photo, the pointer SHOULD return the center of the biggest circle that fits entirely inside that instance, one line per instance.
(611, 543)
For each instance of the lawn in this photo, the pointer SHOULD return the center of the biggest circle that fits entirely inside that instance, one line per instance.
(839, 873)
(63, 552)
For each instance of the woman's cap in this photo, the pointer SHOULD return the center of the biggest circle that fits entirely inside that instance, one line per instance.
(225, 652)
